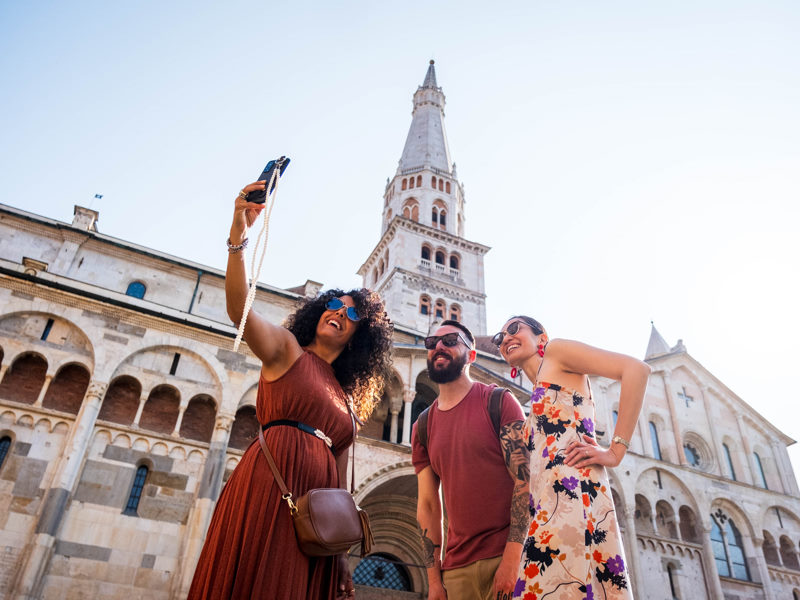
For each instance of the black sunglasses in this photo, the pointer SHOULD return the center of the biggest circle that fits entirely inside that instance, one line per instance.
(448, 339)
(337, 304)
(498, 338)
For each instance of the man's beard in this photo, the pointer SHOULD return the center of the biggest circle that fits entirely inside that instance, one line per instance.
(449, 373)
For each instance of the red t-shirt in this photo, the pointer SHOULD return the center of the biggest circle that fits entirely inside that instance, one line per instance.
(464, 451)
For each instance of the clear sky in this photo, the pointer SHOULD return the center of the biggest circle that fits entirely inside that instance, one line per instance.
(627, 161)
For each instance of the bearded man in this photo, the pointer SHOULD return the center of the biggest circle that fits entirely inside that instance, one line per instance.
(470, 443)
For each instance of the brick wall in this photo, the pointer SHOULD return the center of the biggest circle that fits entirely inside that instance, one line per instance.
(24, 379)
(244, 429)
(161, 410)
(198, 420)
(67, 389)
(121, 401)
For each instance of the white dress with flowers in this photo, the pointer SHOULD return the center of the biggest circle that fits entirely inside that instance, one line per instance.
(573, 550)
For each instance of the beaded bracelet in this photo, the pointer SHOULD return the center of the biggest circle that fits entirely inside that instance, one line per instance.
(234, 248)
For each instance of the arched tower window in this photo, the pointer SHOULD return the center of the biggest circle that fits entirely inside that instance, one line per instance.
(136, 289)
(135, 495)
(411, 209)
(454, 262)
(441, 187)
(404, 185)
(439, 310)
(654, 441)
(433, 182)
(760, 469)
(5, 445)
(671, 576)
(410, 183)
(729, 461)
(419, 180)
(447, 187)
(439, 257)
(455, 312)
(424, 305)
(439, 211)
(426, 253)
(245, 428)
(728, 550)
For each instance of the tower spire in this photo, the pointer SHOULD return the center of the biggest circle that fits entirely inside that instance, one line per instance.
(426, 144)
(430, 77)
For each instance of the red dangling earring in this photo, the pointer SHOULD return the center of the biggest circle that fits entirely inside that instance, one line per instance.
(514, 372)
(541, 350)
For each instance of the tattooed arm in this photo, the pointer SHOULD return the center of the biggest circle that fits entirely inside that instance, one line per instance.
(429, 516)
(517, 459)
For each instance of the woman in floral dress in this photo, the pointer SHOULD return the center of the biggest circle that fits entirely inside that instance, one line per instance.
(574, 548)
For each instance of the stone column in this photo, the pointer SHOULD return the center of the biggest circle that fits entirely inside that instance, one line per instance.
(632, 553)
(40, 548)
(176, 432)
(754, 478)
(408, 399)
(705, 395)
(208, 492)
(676, 429)
(43, 391)
(783, 472)
(142, 402)
(393, 430)
(710, 566)
(763, 570)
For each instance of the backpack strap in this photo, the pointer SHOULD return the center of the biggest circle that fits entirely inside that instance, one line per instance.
(422, 427)
(495, 407)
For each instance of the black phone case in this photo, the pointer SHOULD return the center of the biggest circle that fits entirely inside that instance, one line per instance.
(260, 196)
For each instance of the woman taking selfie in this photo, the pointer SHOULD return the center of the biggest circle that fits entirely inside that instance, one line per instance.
(574, 548)
(333, 347)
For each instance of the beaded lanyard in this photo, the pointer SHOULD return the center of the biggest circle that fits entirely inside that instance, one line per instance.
(251, 293)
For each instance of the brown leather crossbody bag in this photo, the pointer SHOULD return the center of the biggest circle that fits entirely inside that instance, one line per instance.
(326, 520)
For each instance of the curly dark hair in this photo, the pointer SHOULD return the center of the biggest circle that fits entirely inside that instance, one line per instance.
(363, 365)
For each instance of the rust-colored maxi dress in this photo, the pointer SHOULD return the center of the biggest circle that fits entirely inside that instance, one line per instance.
(250, 549)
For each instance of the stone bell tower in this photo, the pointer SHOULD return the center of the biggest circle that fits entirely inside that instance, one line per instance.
(423, 266)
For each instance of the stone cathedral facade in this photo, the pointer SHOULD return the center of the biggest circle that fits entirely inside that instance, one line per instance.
(123, 411)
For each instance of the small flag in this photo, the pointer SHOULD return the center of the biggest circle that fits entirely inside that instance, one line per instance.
(98, 196)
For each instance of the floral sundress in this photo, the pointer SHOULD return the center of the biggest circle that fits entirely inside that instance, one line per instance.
(573, 549)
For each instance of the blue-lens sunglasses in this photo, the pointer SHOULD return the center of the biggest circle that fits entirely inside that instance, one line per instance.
(336, 304)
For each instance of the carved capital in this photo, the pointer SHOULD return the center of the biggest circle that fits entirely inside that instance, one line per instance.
(223, 422)
(96, 389)
(409, 394)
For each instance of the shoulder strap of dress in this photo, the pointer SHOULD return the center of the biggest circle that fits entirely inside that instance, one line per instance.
(589, 385)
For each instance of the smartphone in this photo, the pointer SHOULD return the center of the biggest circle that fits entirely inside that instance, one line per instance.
(260, 196)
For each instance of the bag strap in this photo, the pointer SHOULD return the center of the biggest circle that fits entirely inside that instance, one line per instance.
(353, 457)
(495, 407)
(422, 427)
(286, 494)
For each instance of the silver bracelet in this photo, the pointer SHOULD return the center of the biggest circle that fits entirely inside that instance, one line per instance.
(234, 248)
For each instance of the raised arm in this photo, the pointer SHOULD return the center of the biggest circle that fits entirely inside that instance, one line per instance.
(517, 459)
(275, 346)
(429, 517)
(630, 372)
